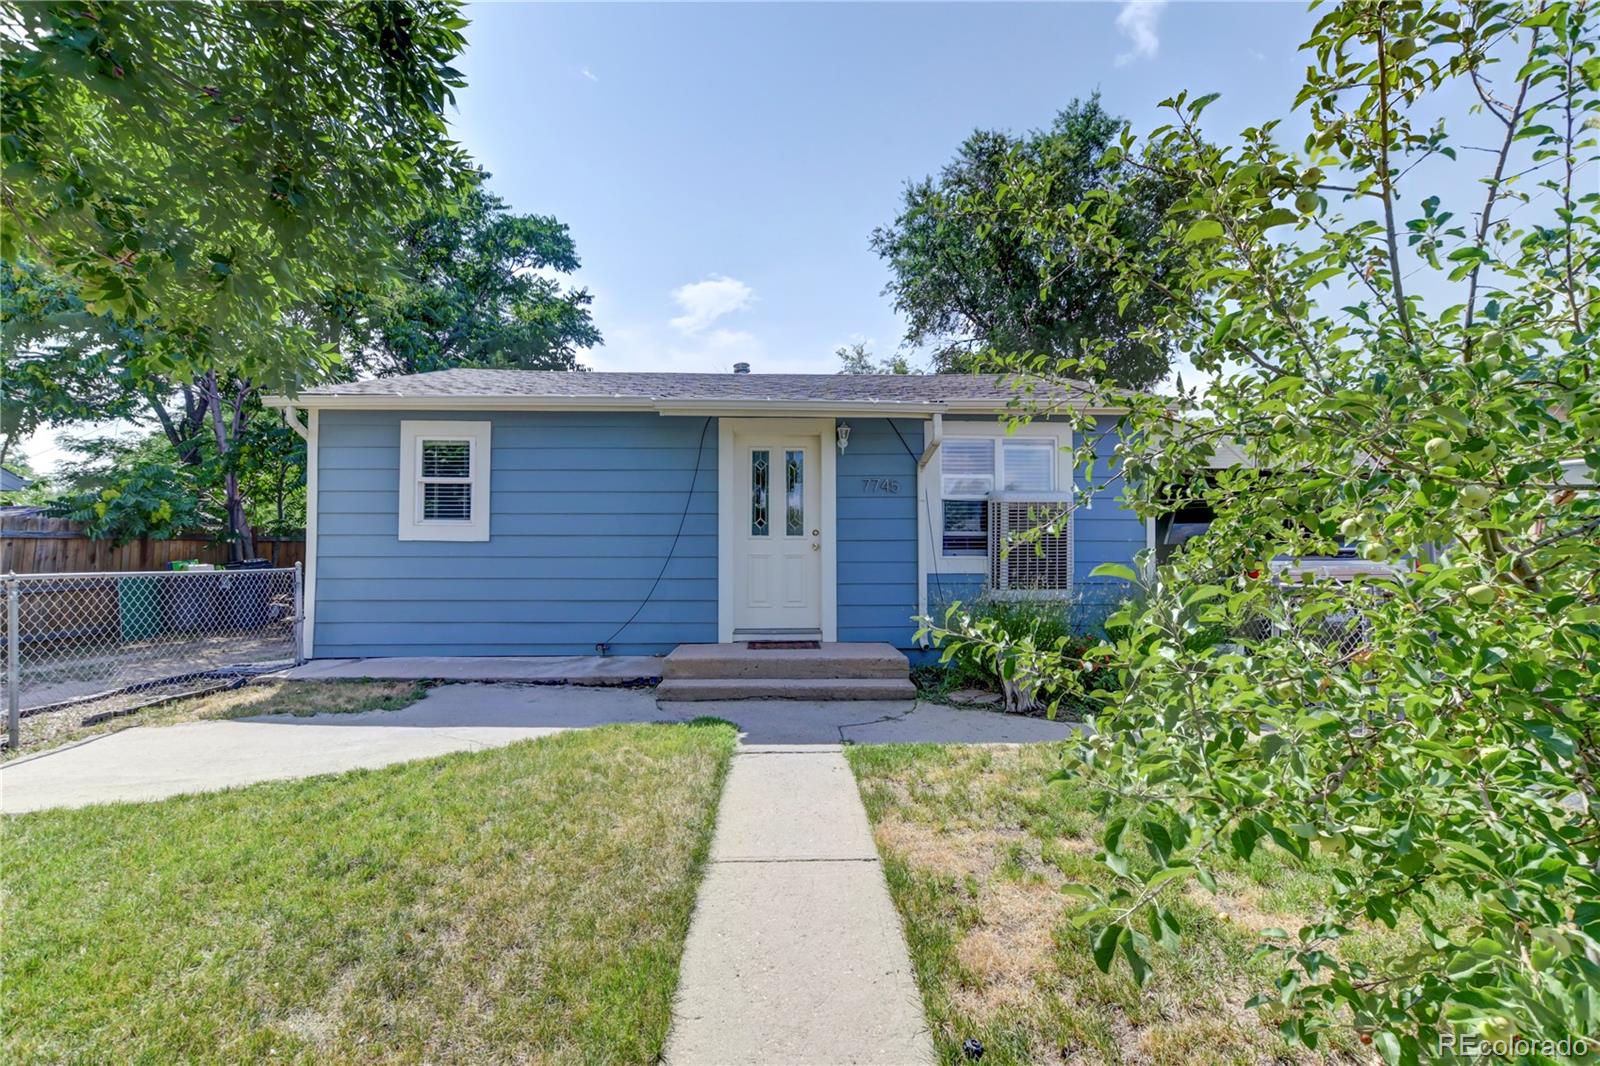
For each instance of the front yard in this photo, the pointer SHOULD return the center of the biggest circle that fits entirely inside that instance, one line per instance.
(41, 732)
(525, 904)
(976, 847)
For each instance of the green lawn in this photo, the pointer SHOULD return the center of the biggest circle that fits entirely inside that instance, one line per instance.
(976, 846)
(525, 904)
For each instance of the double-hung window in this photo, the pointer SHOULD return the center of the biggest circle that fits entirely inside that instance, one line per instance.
(967, 476)
(444, 481)
(973, 467)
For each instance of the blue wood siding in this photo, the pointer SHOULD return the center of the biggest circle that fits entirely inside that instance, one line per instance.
(583, 509)
(1107, 532)
(945, 589)
(877, 534)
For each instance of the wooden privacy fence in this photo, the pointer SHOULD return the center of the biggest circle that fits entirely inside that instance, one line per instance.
(37, 544)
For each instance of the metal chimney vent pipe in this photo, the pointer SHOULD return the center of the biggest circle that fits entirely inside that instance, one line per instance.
(741, 368)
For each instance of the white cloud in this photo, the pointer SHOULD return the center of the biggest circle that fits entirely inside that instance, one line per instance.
(1137, 22)
(587, 73)
(701, 339)
(644, 347)
(703, 302)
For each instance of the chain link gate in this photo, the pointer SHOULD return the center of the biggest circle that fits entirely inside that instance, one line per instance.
(80, 648)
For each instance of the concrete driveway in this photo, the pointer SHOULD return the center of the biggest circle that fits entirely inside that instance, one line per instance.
(152, 762)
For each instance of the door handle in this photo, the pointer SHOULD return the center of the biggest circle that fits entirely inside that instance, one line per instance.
(816, 547)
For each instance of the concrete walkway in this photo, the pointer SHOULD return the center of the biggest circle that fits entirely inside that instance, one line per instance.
(150, 762)
(795, 954)
(545, 669)
(807, 722)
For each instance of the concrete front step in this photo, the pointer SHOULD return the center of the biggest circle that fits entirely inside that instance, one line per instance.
(786, 688)
(825, 662)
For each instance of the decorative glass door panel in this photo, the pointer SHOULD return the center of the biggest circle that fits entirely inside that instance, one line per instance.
(777, 557)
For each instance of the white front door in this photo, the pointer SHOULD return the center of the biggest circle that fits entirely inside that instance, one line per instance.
(777, 542)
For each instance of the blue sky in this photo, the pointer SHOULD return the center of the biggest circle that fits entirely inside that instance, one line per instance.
(722, 166)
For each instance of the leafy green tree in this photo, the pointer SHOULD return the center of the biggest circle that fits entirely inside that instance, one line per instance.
(1419, 378)
(212, 173)
(62, 363)
(969, 279)
(219, 167)
(118, 483)
(272, 468)
(855, 358)
(130, 486)
(478, 289)
(67, 365)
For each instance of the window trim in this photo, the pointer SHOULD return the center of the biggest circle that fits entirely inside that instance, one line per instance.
(995, 449)
(411, 524)
(1054, 444)
(1061, 474)
(1060, 434)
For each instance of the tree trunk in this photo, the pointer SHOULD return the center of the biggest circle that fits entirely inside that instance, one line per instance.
(241, 544)
(184, 434)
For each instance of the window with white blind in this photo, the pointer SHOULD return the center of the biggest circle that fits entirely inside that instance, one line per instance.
(973, 467)
(444, 481)
(1028, 465)
(966, 474)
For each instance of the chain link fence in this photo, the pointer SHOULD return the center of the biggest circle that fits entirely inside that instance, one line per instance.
(1328, 621)
(1341, 634)
(81, 648)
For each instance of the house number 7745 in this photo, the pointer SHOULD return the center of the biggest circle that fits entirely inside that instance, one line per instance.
(872, 486)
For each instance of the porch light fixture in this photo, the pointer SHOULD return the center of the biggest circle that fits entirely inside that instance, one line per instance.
(843, 430)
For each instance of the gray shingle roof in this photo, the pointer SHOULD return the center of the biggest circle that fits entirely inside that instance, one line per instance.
(882, 388)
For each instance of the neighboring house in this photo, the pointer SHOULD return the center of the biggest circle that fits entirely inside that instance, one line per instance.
(11, 481)
(500, 512)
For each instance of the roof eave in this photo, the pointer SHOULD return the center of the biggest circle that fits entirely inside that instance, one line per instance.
(757, 407)
(390, 401)
(730, 407)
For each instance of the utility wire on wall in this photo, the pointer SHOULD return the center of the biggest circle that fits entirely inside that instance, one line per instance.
(604, 646)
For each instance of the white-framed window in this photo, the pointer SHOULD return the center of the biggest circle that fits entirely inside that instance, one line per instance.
(966, 473)
(973, 467)
(444, 480)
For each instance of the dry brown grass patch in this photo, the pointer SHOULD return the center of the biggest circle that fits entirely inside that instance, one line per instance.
(274, 696)
(982, 844)
(294, 697)
(1010, 949)
(958, 853)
